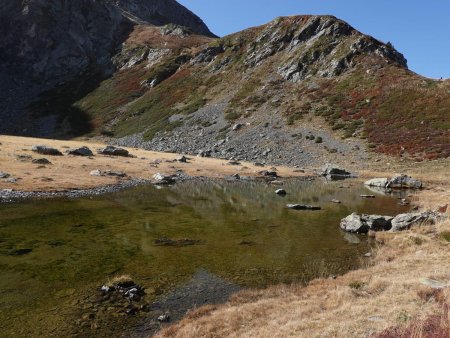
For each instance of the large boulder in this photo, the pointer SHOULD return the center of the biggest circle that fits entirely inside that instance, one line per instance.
(334, 171)
(377, 182)
(44, 150)
(404, 182)
(115, 151)
(406, 221)
(356, 223)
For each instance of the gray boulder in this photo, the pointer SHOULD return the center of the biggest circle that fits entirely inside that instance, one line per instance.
(44, 150)
(114, 151)
(406, 221)
(404, 182)
(334, 171)
(356, 223)
(82, 151)
(377, 182)
(280, 192)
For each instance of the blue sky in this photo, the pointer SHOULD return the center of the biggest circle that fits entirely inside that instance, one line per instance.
(417, 28)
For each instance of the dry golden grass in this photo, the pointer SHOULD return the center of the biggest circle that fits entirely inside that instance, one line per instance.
(73, 172)
(361, 303)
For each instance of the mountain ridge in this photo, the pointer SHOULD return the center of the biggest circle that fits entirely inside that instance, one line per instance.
(175, 90)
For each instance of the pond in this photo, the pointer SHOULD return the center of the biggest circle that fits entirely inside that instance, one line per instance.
(54, 252)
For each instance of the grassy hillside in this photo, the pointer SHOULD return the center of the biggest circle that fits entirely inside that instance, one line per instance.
(298, 67)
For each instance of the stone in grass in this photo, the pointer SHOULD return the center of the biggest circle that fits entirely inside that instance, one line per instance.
(96, 173)
(4, 175)
(302, 207)
(41, 161)
(82, 151)
(114, 151)
(44, 150)
(280, 192)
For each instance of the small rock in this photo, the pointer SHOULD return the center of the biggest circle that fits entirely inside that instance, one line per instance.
(182, 159)
(335, 201)
(164, 179)
(42, 161)
(164, 318)
(281, 192)
(237, 126)
(114, 173)
(4, 175)
(367, 196)
(44, 150)
(234, 163)
(96, 173)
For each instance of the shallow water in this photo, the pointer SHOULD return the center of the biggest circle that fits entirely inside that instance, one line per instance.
(246, 235)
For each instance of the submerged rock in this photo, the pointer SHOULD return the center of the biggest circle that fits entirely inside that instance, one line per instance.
(176, 242)
(302, 207)
(44, 150)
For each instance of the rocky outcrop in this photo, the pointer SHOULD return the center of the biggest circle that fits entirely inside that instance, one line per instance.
(362, 224)
(406, 221)
(356, 223)
(82, 151)
(404, 182)
(318, 45)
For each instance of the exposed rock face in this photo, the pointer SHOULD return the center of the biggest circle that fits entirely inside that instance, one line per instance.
(320, 44)
(48, 42)
(56, 39)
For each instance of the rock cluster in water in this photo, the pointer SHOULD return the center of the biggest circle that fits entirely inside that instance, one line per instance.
(357, 223)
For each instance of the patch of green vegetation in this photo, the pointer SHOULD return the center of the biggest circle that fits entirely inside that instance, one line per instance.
(244, 99)
(446, 236)
(356, 285)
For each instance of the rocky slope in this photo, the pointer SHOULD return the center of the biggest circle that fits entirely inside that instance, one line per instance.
(298, 91)
(46, 43)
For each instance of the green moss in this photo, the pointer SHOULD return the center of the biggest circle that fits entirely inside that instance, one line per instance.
(357, 285)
